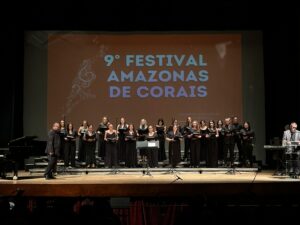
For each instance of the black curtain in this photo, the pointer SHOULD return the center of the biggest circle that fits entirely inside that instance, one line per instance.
(11, 88)
(282, 73)
(280, 25)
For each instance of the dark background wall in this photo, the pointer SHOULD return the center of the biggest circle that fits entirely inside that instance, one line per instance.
(279, 23)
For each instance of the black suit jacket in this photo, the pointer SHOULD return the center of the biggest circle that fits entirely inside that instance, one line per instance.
(53, 143)
(228, 133)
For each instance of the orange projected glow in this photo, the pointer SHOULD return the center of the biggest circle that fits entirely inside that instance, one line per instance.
(144, 76)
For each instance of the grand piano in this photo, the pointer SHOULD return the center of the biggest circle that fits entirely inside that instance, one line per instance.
(20, 149)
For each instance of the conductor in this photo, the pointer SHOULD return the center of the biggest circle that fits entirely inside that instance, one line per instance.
(52, 150)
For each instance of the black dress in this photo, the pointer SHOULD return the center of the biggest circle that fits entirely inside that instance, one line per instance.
(204, 145)
(90, 148)
(212, 159)
(130, 148)
(81, 143)
(70, 148)
(195, 148)
(220, 141)
(122, 129)
(152, 153)
(174, 148)
(62, 134)
(227, 132)
(247, 137)
(160, 130)
(111, 155)
(101, 143)
(237, 140)
(187, 142)
(142, 131)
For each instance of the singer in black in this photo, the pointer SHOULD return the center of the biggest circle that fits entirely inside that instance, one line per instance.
(130, 146)
(152, 153)
(187, 141)
(81, 149)
(103, 126)
(220, 141)
(142, 132)
(237, 137)
(62, 134)
(122, 129)
(173, 137)
(70, 146)
(90, 139)
(111, 139)
(174, 122)
(213, 134)
(52, 150)
(247, 137)
(228, 134)
(161, 131)
(195, 144)
(204, 141)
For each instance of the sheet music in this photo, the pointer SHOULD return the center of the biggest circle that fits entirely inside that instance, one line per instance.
(151, 144)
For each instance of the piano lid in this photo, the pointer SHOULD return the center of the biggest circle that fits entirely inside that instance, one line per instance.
(21, 140)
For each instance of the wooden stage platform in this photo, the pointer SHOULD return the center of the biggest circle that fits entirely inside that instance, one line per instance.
(159, 184)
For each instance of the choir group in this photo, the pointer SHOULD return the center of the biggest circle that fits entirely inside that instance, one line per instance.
(209, 142)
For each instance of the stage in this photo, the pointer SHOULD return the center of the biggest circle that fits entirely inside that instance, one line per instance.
(191, 183)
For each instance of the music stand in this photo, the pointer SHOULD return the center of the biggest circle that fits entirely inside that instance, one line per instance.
(147, 171)
(145, 163)
(290, 150)
(175, 173)
(232, 170)
(147, 144)
(115, 170)
(177, 178)
(281, 167)
(172, 170)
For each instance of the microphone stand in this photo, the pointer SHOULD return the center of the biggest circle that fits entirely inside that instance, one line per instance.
(233, 170)
(114, 170)
(173, 170)
(146, 165)
(177, 178)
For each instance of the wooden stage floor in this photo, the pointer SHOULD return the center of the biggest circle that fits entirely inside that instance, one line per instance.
(159, 184)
